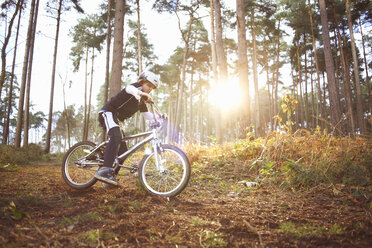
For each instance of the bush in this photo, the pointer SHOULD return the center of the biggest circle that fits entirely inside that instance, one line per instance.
(24, 155)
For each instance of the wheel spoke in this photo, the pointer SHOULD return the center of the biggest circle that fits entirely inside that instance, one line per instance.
(170, 181)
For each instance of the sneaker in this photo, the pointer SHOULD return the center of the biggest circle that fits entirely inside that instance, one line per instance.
(106, 175)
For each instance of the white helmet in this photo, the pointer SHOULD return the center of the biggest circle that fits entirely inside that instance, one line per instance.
(150, 77)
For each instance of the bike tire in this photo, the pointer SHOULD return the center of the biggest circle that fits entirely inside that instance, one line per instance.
(173, 179)
(78, 177)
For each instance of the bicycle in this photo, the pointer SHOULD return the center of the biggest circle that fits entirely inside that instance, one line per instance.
(163, 171)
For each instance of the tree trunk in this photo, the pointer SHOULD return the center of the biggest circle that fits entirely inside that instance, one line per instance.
(319, 104)
(139, 38)
(275, 94)
(5, 44)
(366, 68)
(191, 103)
(214, 66)
(299, 68)
(268, 90)
(307, 119)
(258, 126)
(360, 112)
(332, 89)
(186, 39)
(10, 94)
(243, 64)
(313, 120)
(66, 117)
(346, 78)
(51, 98)
(90, 95)
(85, 131)
(26, 123)
(117, 58)
(21, 101)
(108, 50)
(221, 62)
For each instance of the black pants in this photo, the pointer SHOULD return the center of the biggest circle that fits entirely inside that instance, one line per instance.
(115, 144)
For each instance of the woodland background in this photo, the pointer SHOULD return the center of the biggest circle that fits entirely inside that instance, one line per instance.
(324, 46)
(274, 94)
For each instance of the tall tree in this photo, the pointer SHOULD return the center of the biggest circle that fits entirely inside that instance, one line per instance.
(139, 37)
(214, 65)
(221, 61)
(359, 105)
(10, 94)
(87, 34)
(319, 104)
(243, 62)
(108, 49)
(330, 68)
(51, 8)
(258, 126)
(18, 137)
(176, 7)
(117, 58)
(26, 123)
(5, 44)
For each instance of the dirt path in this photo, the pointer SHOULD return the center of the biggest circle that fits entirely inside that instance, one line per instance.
(37, 209)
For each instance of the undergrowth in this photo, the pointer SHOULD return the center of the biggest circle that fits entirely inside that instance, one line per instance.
(301, 160)
(24, 155)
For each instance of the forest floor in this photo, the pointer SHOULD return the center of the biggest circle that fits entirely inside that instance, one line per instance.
(37, 209)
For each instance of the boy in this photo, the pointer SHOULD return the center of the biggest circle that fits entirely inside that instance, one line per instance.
(120, 107)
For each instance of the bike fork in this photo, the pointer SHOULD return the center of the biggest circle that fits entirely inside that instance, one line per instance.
(158, 159)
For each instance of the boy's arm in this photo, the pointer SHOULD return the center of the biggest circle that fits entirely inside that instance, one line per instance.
(130, 89)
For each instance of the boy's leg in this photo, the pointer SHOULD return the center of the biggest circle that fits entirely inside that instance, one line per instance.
(106, 172)
(123, 148)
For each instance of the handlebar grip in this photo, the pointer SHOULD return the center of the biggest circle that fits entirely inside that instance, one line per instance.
(145, 98)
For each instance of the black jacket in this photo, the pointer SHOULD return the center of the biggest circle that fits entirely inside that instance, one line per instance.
(124, 105)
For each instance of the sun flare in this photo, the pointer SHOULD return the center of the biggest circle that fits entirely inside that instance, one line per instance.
(226, 96)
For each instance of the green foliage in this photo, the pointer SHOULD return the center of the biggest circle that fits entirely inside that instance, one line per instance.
(15, 213)
(24, 155)
(196, 221)
(299, 231)
(309, 230)
(213, 239)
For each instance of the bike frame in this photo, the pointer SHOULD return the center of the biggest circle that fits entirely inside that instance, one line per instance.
(150, 137)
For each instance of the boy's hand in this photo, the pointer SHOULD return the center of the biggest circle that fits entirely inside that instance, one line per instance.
(146, 97)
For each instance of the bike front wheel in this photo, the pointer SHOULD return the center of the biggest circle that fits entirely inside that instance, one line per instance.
(172, 174)
(77, 169)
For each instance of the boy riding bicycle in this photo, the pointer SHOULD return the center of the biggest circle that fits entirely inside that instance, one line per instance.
(120, 107)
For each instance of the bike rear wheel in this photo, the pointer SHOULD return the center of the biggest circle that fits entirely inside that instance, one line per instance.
(169, 180)
(77, 170)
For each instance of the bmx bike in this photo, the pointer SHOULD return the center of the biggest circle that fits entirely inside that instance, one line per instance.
(163, 171)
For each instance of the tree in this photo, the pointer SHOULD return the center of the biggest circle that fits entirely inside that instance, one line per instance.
(139, 37)
(320, 105)
(87, 34)
(29, 72)
(359, 104)
(8, 105)
(176, 7)
(330, 68)
(221, 61)
(108, 50)
(32, 17)
(243, 61)
(131, 48)
(214, 64)
(117, 58)
(10, 92)
(60, 7)
(6, 41)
